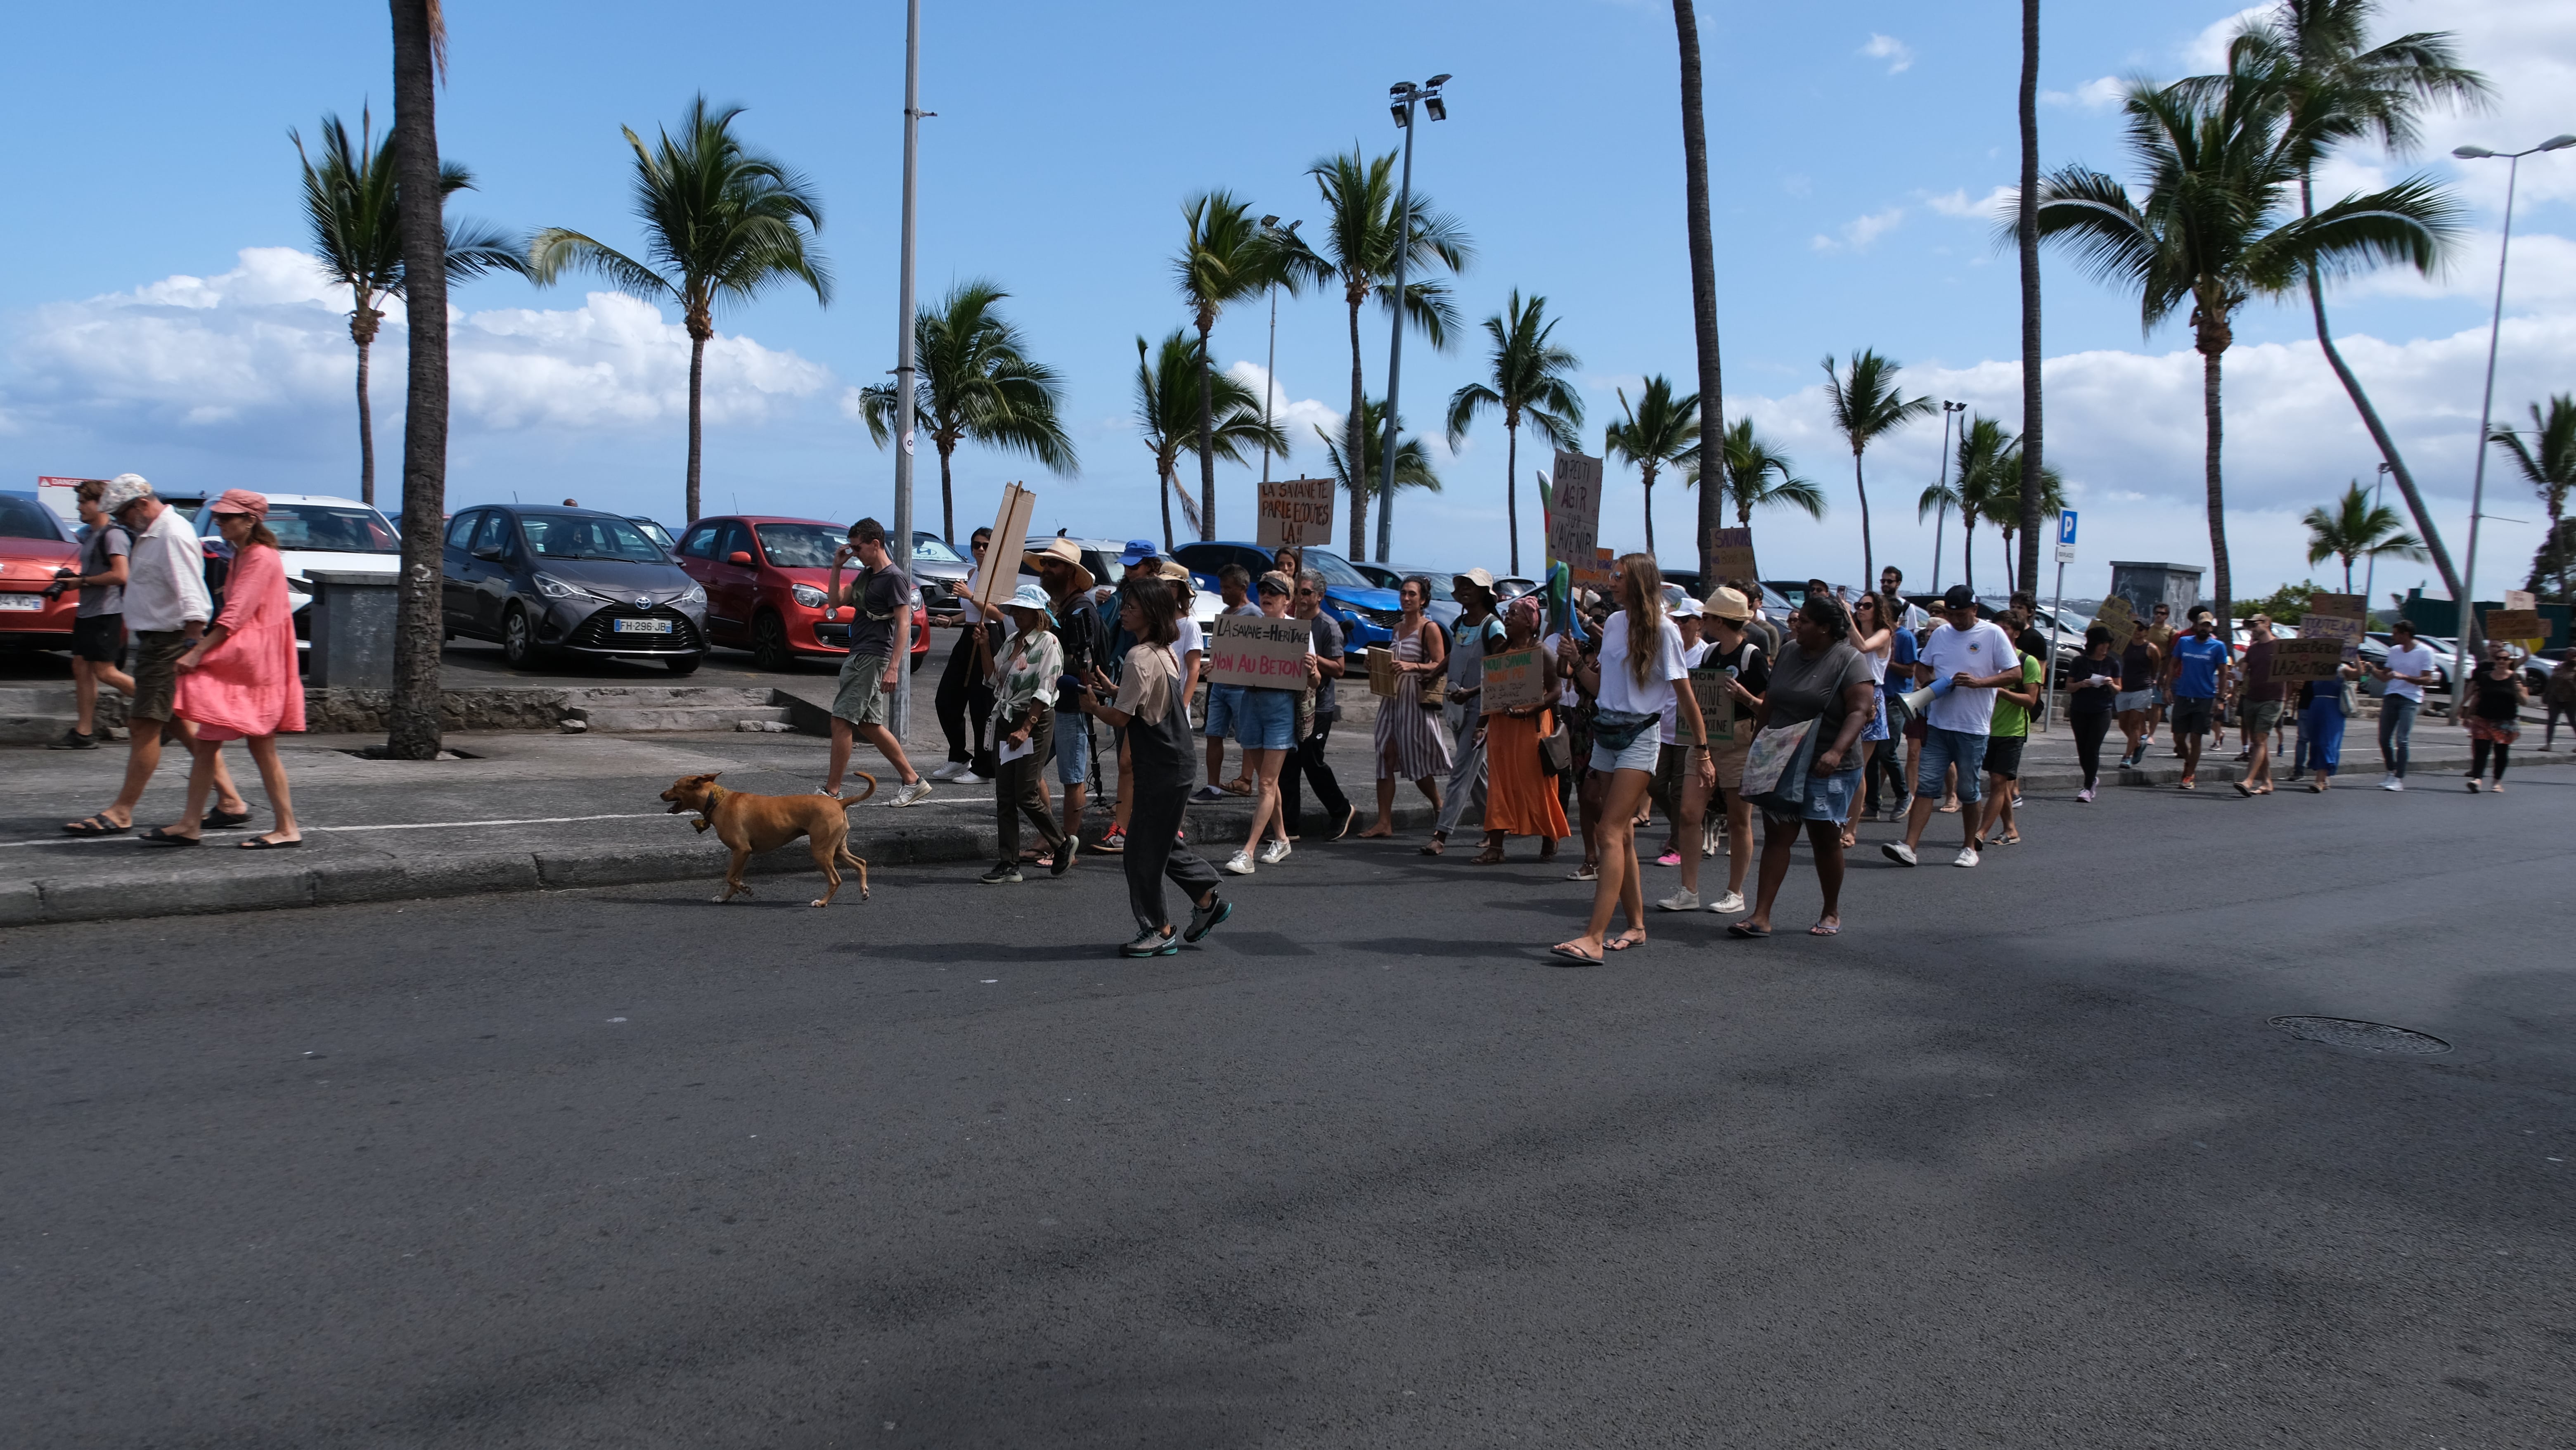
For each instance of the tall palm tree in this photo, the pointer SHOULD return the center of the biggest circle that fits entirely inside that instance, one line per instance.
(976, 383)
(1412, 465)
(1975, 489)
(1361, 236)
(1532, 377)
(413, 729)
(1703, 259)
(720, 221)
(357, 238)
(1661, 431)
(2548, 463)
(2355, 528)
(2212, 227)
(1758, 475)
(2026, 244)
(2002, 502)
(1227, 256)
(1169, 409)
(1866, 406)
(2341, 89)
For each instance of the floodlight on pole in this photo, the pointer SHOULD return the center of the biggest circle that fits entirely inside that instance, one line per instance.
(1406, 95)
(1282, 237)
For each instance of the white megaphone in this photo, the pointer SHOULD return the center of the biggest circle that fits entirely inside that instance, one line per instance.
(1916, 702)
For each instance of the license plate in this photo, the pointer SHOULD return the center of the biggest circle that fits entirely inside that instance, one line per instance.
(32, 603)
(640, 626)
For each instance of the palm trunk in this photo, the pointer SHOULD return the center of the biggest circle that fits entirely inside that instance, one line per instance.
(366, 435)
(697, 385)
(1648, 473)
(2026, 235)
(1868, 559)
(1512, 490)
(2210, 411)
(1968, 555)
(947, 495)
(1163, 490)
(1703, 260)
(1355, 446)
(1207, 436)
(414, 729)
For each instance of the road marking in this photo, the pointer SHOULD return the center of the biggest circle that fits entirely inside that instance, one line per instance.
(405, 826)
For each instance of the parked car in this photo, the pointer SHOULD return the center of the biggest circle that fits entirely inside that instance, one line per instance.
(934, 566)
(764, 579)
(33, 545)
(1365, 610)
(314, 531)
(546, 579)
(653, 531)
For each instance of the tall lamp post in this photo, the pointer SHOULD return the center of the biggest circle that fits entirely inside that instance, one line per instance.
(2370, 573)
(1283, 237)
(2486, 412)
(900, 714)
(1941, 520)
(1403, 97)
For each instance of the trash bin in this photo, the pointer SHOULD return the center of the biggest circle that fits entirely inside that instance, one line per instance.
(352, 638)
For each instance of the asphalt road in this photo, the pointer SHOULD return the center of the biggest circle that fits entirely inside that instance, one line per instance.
(2015, 1161)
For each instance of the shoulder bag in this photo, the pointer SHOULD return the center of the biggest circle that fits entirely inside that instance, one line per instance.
(1776, 766)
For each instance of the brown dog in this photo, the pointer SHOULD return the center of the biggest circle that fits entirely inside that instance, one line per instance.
(748, 823)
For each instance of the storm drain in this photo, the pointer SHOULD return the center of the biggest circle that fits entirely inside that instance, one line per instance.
(2368, 1036)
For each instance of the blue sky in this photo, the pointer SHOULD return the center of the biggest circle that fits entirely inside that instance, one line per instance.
(1855, 148)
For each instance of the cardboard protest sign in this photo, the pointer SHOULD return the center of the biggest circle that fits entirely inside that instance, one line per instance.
(1001, 576)
(1716, 707)
(1381, 673)
(1514, 679)
(1603, 569)
(2515, 624)
(2116, 617)
(1256, 650)
(2297, 661)
(1574, 511)
(2342, 617)
(2519, 601)
(1295, 511)
(1733, 555)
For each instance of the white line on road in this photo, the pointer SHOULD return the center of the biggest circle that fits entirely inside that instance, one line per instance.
(406, 826)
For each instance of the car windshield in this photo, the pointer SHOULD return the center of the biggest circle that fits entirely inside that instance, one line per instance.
(1337, 571)
(332, 528)
(588, 536)
(926, 549)
(655, 532)
(25, 519)
(798, 546)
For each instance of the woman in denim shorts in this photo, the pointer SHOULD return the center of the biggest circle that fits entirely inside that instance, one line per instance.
(1265, 724)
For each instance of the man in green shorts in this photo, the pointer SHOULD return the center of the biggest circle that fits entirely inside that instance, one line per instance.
(880, 599)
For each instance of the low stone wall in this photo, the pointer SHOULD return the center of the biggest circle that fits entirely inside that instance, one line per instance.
(368, 711)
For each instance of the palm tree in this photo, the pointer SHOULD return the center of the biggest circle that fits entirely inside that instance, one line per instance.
(1361, 238)
(1975, 493)
(2211, 227)
(2001, 501)
(976, 383)
(2548, 464)
(1660, 431)
(2355, 528)
(1168, 409)
(1750, 461)
(413, 729)
(2026, 244)
(1412, 465)
(1532, 378)
(1703, 258)
(1866, 407)
(357, 237)
(2342, 89)
(1227, 257)
(720, 221)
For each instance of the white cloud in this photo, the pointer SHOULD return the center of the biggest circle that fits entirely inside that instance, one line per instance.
(1857, 234)
(1895, 52)
(2098, 94)
(1960, 204)
(1298, 418)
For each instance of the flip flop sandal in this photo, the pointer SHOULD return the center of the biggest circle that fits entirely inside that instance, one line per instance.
(1490, 858)
(1747, 932)
(1584, 873)
(97, 826)
(1820, 929)
(2243, 789)
(1569, 954)
(1237, 786)
(1433, 847)
(224, 821)
(1624, 943)
(159, 836)
(263, 843)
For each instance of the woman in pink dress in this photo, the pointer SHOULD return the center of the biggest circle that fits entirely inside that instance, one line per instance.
(240, 682)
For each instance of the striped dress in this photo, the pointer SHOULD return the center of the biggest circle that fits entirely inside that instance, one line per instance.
(1409, 737)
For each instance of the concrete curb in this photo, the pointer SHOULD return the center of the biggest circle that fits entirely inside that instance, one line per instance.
(207, 883)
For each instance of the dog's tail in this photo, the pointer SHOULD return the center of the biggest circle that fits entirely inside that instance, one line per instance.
(851, 800)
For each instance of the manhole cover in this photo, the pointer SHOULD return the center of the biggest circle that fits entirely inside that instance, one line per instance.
(2368, 1036)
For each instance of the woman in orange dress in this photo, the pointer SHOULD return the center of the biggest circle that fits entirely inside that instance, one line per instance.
(1520, 796)
(240, 682)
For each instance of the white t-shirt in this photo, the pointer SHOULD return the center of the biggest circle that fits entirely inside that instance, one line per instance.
(1691, 655)
(1981, 650)
(2415, 661)
(966, 605)
(1619, 690)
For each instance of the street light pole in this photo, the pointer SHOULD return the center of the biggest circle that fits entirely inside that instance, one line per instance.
(900, 714)
(1406, 95)
(2370, 572)
(2486, 414)
(1941, 519)
(1270, 367)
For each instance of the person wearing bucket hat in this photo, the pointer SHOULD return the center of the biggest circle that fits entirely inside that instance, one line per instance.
(1475, 631)
(1023, 729)
(239, 681)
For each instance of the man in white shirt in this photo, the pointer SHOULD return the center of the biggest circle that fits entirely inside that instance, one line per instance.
(2403, 676)
(167, 608)
(1967, 659)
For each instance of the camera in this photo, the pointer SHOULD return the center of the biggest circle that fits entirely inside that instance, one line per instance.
(62, 580)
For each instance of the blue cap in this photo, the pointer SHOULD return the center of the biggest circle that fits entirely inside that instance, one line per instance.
(1139, 550)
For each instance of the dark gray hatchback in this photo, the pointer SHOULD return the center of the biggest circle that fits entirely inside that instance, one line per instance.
(541, 580)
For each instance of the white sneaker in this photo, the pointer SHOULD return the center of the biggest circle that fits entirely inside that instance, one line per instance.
(1274, 853)
(2392, 783)
(972, 777)
(1679, 901)
(911, 795)
(1238, 865)
(1967, 857)
(2085, 795)
(1731, 904)
(1899, 852)
(951, 771)
(1207, 793)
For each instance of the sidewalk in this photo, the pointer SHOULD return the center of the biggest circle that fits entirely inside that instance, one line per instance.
(532, 809)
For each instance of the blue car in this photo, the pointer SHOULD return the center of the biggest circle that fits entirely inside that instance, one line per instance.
(1364, 611)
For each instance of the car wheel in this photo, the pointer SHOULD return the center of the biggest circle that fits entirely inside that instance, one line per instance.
(769, 642)
(519, 640)
(917, 659)
(685, 664)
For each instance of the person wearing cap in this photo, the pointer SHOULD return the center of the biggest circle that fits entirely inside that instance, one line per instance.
(1068, 584)
(965, 699)
(1476, 632)
(1023, 724)
(166, 606)
(880, 604)
(1965, 661)
(2197, 670)
(239, 680)
(1145, 703)
(1265, 723)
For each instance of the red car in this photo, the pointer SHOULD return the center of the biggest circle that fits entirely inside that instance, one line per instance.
(765, 578)
(33, 544)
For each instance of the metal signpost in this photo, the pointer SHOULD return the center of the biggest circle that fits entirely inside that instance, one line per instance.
(2057, 610)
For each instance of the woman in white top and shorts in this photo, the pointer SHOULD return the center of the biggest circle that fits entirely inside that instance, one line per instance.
(1870, 635)
(1631, 684)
